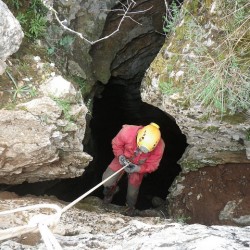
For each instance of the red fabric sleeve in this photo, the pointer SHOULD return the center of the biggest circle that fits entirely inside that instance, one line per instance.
(119, 141)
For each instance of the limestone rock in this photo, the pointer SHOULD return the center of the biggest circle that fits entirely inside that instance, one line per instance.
(42, 139)
(126, 53)
(215, 137)
(58, 87)
(81, 229)
(11, 34)
(88, 18)
(2, 66)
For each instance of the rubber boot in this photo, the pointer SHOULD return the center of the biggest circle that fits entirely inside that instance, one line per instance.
(130, 211)
(109, 193)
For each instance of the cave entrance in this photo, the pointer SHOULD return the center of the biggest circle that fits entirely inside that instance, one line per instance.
(118, 104)
(121, 104)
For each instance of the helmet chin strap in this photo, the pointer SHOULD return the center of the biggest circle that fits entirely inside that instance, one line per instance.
(137, 151)
(143, 150)
(140, 150)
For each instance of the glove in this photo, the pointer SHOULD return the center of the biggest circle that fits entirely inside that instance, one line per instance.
(132, 168)
(123, 160)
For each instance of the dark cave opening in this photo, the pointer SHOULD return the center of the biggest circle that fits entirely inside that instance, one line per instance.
(121, 104)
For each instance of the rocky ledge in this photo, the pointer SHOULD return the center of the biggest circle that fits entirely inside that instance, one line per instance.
(98, 228)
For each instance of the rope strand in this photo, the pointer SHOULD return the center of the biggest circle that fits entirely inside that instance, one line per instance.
(41, 222)
(91, 190)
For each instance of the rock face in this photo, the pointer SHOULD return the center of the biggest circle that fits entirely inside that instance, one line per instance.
(42, 139)
(129, 52)
(214, 138)
(11, 35)
(124, 55)
(47, 133)
(87, 18)
(213, 195)
(81, 229)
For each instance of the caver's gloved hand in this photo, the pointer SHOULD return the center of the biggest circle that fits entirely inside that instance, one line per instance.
(123, 160)
(132, 168)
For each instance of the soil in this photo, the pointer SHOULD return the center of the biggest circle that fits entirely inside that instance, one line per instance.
(207, 192)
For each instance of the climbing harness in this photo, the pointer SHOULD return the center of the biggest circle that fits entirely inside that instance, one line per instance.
(42, 222)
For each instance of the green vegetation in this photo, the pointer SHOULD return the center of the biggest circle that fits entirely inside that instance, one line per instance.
(224, 84)
(217, 57)
(168, 88)
(21, 90)
(81, 83)
(248, 135)
(212, 129)
(15, 3)
(37, 27)
(191, 165)
(65, 106)
(31, 15)
(171, 18)
(64, 43)
(182, 219)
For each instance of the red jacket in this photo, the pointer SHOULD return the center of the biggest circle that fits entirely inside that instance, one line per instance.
(125, 143)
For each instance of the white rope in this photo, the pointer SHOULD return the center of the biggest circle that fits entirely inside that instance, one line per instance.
(32, 207)
(16, 231)
(48, 238)
(32, 226)
(41, 221)
(91, 190)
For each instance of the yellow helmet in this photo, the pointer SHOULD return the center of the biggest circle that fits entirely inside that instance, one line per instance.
(148, 137)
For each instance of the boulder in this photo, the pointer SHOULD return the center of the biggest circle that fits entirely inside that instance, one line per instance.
(42, 139)
(11, 35)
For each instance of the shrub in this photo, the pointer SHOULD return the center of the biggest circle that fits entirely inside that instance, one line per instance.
(31, 15)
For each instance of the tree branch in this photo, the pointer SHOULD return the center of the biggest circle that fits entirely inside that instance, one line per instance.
(125, 14)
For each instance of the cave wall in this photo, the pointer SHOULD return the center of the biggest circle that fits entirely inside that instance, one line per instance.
(40, 139)
(124, 54)
(61, 132)
(128, 53)
(213, 195)
(214, 138)
(85, 17)
(37, 139)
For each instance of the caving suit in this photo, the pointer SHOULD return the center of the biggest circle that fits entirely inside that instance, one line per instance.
(124, 143)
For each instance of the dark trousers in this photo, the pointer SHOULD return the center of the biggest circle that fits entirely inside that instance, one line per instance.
(132, 191)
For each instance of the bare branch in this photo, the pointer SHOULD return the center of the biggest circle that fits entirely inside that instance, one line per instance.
(134, 12)
(133, 20)
(166, 5)
(141, 11)
(125, 7)
(125, 14)
(113, 10)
